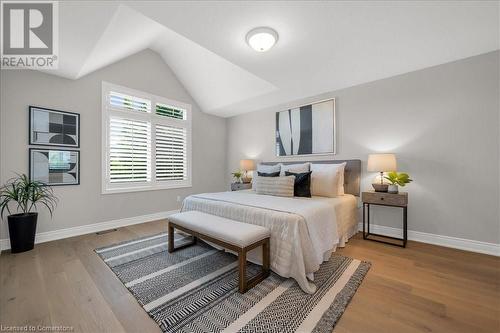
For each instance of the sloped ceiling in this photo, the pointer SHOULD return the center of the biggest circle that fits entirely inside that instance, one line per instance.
(323, 46)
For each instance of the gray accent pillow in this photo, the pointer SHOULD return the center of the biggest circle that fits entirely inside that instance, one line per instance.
(278, 186)
(269, 168)
(295, 168)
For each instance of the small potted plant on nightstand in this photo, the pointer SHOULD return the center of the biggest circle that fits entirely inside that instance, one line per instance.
(237, 176)
(396, 179)
(26, 196)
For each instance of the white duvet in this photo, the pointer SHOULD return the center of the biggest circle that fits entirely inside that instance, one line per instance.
(304, 231)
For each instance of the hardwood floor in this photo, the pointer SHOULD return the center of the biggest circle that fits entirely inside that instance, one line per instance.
(422, 288)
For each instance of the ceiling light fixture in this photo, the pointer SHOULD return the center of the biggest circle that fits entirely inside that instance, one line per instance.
(262, 39)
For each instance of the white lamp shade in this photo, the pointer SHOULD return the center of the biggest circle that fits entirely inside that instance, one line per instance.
(247, 165)
(381, 162)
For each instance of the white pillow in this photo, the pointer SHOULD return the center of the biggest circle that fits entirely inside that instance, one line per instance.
(327, 180)
(269, 168)
(278, 186)
(341, 177)
(295, 168)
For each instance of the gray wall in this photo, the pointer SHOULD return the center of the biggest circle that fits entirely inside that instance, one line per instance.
(442, 122)
(84, 204)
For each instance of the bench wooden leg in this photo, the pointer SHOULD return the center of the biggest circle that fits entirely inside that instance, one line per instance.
(242, 266)
(171, 247)
(266, 257)
(170, 238)
(245, 285)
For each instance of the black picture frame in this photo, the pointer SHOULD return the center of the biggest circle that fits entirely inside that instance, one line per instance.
(286, 147)
(30, 165)
(33, 108)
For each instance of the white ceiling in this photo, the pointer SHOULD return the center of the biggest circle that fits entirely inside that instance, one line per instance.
(323, 45)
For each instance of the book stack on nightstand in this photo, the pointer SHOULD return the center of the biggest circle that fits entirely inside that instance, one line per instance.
(390, 200)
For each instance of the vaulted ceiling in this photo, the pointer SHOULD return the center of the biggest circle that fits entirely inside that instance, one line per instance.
(323, 45)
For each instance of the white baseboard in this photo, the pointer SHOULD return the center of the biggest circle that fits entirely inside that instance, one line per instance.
(453, 242)
(91, 228)
(447, 241)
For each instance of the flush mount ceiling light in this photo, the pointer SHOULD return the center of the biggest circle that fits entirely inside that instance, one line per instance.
(262, 39)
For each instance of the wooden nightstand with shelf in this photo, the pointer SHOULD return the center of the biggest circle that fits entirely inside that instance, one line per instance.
(390, 200)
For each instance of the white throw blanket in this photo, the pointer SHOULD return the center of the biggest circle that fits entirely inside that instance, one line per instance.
(303, 230)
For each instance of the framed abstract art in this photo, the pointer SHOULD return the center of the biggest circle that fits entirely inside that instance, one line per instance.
(306, 130)
(54, 166)
(49, 127)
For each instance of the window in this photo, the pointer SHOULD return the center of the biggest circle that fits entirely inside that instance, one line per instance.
(146, 141)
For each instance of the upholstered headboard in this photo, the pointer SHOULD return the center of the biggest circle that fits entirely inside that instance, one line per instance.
(352, 173)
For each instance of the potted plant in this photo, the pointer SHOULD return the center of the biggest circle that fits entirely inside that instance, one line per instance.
(396, 179)
(237, 175)
(26, 196)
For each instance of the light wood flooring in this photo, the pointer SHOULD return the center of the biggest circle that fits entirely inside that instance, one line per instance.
(422, 288)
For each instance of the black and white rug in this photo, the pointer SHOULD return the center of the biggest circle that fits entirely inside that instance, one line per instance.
(196, 289)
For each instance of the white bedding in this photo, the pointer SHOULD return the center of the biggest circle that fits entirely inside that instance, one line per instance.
(304, 231)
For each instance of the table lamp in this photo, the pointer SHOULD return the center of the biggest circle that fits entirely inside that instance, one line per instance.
(381, 163)
(247, 165)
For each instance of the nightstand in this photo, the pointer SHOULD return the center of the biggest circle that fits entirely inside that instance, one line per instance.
(240, 186)
(390, 200)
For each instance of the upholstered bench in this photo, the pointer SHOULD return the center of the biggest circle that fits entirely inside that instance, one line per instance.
(233, 235)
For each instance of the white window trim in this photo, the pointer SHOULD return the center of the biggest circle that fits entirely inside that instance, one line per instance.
(106, 186)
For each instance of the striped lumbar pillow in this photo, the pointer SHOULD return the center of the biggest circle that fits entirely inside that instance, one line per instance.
(279, 186)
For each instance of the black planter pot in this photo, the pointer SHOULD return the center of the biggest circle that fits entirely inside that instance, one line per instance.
(22, 229)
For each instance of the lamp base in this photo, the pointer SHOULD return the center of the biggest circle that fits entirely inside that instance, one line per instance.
(247, 180)
(380, 187)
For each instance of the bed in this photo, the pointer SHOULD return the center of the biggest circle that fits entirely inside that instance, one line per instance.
(304, 231)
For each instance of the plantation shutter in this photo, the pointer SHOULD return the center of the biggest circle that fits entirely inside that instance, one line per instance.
(128, 102)
(171, 153)
(129, 150)
(146, 141)
(170, 111)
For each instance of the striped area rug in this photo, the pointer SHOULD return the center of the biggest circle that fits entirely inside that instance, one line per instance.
(196, 289)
